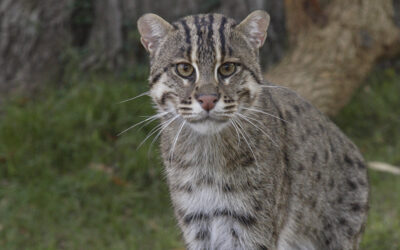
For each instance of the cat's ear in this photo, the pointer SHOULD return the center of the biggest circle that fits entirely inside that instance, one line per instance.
(254, 27)
(152, 29)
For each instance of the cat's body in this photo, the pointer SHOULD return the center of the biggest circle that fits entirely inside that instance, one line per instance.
(249, 165)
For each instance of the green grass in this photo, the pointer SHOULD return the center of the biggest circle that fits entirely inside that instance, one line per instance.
(68, 182)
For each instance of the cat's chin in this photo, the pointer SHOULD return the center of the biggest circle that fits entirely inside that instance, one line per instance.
(208, 126)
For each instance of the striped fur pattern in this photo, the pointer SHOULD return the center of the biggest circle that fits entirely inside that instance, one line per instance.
(263, 169)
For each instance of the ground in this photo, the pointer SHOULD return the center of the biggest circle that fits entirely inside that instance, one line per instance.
(67, 181)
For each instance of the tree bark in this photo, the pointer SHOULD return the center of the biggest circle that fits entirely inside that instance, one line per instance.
(332, 52)
(32, 38)
(105, 42)
(115, 19)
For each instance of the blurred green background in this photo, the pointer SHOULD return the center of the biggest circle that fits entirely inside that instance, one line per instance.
(67, 181)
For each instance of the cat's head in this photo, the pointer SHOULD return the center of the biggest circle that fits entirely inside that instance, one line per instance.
(204, 68)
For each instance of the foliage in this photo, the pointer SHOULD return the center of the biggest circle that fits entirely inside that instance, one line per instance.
(68, 182)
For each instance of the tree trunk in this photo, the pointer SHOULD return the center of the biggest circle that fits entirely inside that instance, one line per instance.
(334, 48)
(115, 19)
(105, 42)
(32, 38)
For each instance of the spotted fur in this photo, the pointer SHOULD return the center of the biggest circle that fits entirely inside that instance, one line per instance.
(263, 169)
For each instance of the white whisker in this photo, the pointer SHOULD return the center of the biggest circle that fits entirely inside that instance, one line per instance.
(246, 118)
(245, 139)
(265, 113)
(176, 140)
(166, 123)
(154, 130)
(133, 98)
(274, 87)
(149, 120)
(236, 129)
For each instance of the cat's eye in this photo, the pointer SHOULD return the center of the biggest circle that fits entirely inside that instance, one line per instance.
(227, 69)
(185, 70)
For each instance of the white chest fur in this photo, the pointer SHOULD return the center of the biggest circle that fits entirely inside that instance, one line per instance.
(213, 211)
(208, 199)
(219, 224)
(213, 216)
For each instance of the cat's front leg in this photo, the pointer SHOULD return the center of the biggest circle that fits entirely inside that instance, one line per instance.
(220, 233)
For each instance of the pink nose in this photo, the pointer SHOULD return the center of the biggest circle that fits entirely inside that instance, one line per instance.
(207, 102)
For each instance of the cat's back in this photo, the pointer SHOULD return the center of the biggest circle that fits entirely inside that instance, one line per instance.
(328, 177)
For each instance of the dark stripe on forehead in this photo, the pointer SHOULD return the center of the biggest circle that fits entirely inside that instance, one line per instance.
(222, 36)
(198, 29)
(210, 31)
(187, 31)
(188, 38)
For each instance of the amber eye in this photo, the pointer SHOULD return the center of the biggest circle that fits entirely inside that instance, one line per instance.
(185, 70)
(227, 69)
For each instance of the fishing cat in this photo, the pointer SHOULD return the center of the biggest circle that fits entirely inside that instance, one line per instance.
(250, 165)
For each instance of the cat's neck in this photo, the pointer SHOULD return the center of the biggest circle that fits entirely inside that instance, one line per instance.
(183, 144)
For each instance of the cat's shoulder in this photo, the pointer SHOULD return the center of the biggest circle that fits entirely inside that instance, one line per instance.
(288, 103)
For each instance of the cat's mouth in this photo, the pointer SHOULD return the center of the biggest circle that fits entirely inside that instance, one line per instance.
(208, 123)
(207, 117)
